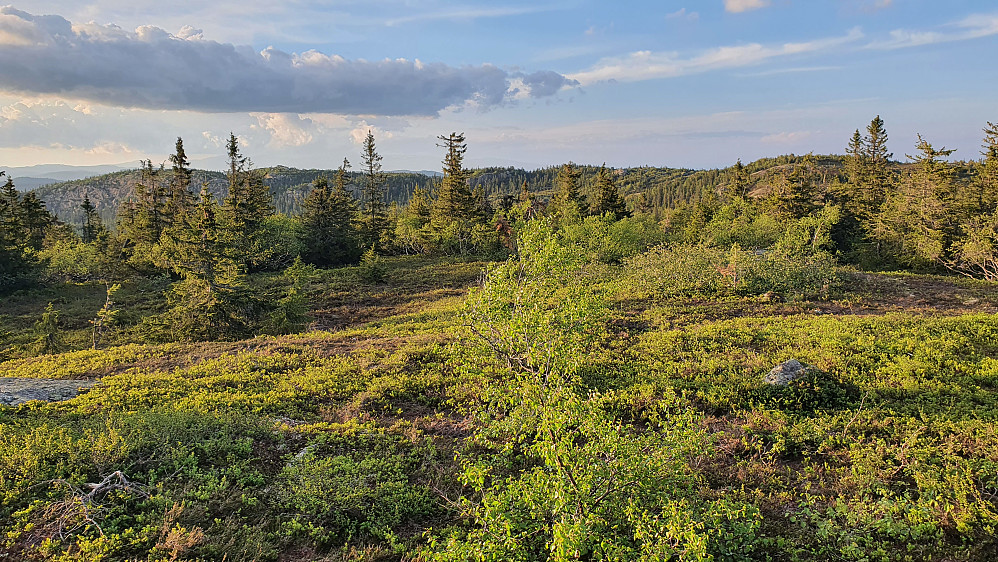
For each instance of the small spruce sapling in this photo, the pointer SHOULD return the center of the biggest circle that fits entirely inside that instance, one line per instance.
(105, 319)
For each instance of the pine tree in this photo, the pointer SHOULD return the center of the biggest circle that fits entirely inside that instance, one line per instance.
(375, 209)
(607, 196)
(327, 219)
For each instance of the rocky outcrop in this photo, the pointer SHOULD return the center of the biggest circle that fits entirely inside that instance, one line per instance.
(14, 391)
(782, 374)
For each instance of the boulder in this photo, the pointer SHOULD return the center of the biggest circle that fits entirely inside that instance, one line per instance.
(785, 372)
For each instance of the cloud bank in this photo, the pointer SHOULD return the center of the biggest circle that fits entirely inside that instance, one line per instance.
(649, 65)
(152, 69)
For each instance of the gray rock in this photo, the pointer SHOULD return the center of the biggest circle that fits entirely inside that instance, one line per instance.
(783, 373)
(14, 391)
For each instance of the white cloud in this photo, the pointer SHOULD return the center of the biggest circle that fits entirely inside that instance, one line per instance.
(683, 14)
(468, 13)
(648, 65)
(285, 129)
(737, 6)
(971, 27)
(785, 137)
(150, 68)
(359, 133)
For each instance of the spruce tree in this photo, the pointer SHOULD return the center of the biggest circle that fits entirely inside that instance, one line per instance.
(327, 219)
(456, 211)
(412, 234)
(455, 200)
(208, 302)
(247, 204)
(16, 257)
(375, 209)
(567, 203)
(739, 181)
(93, 227)
(607, 197)
(876, 175)
(181, 198)
(248, 201)
(915, 224)
(983, 198)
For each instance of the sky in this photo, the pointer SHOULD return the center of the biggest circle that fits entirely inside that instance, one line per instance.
(530, 83)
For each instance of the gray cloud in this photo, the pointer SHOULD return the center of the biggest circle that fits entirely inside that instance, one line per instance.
(150, 68)
(546, 83)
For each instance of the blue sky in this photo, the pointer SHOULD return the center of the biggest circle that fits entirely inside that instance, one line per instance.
(684, 84)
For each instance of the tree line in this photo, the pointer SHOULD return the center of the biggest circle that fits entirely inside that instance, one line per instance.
(863, 208)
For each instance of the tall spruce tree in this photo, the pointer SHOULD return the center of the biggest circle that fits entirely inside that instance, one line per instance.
(328, 215)
(15, 256)
(208, 303)
(607, 197)
(143, 218)
(247, 204)
(567, 204)
(915, 225)
(92, 227)
(375, 208)
(876, 174)
(456, 210)
(181, 198)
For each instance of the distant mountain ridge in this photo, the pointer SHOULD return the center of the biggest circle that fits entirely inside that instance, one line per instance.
(656, 188)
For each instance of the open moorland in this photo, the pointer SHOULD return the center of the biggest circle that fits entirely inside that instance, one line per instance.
(553, 403)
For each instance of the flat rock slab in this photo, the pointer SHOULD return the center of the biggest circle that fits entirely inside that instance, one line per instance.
(14, 391)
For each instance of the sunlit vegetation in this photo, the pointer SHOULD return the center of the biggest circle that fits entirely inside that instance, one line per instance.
(498, 370)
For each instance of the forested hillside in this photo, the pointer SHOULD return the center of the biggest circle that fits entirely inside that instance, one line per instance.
(288, 187)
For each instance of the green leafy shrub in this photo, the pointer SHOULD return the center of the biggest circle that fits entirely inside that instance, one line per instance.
(816, 390)
(682, 270)
(354, 486)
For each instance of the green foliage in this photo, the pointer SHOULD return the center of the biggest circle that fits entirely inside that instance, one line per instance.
(354, 486)
(292, 312)
(278, 242)
(72, 260)
(977, 253)
(327, 222)
(562, 479)
(683, 270)
(371, 268)
(106, 316)
(48, 336)
(605, 239)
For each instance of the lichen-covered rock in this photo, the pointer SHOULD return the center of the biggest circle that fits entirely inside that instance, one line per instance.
(785, 372)
(14, 391)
